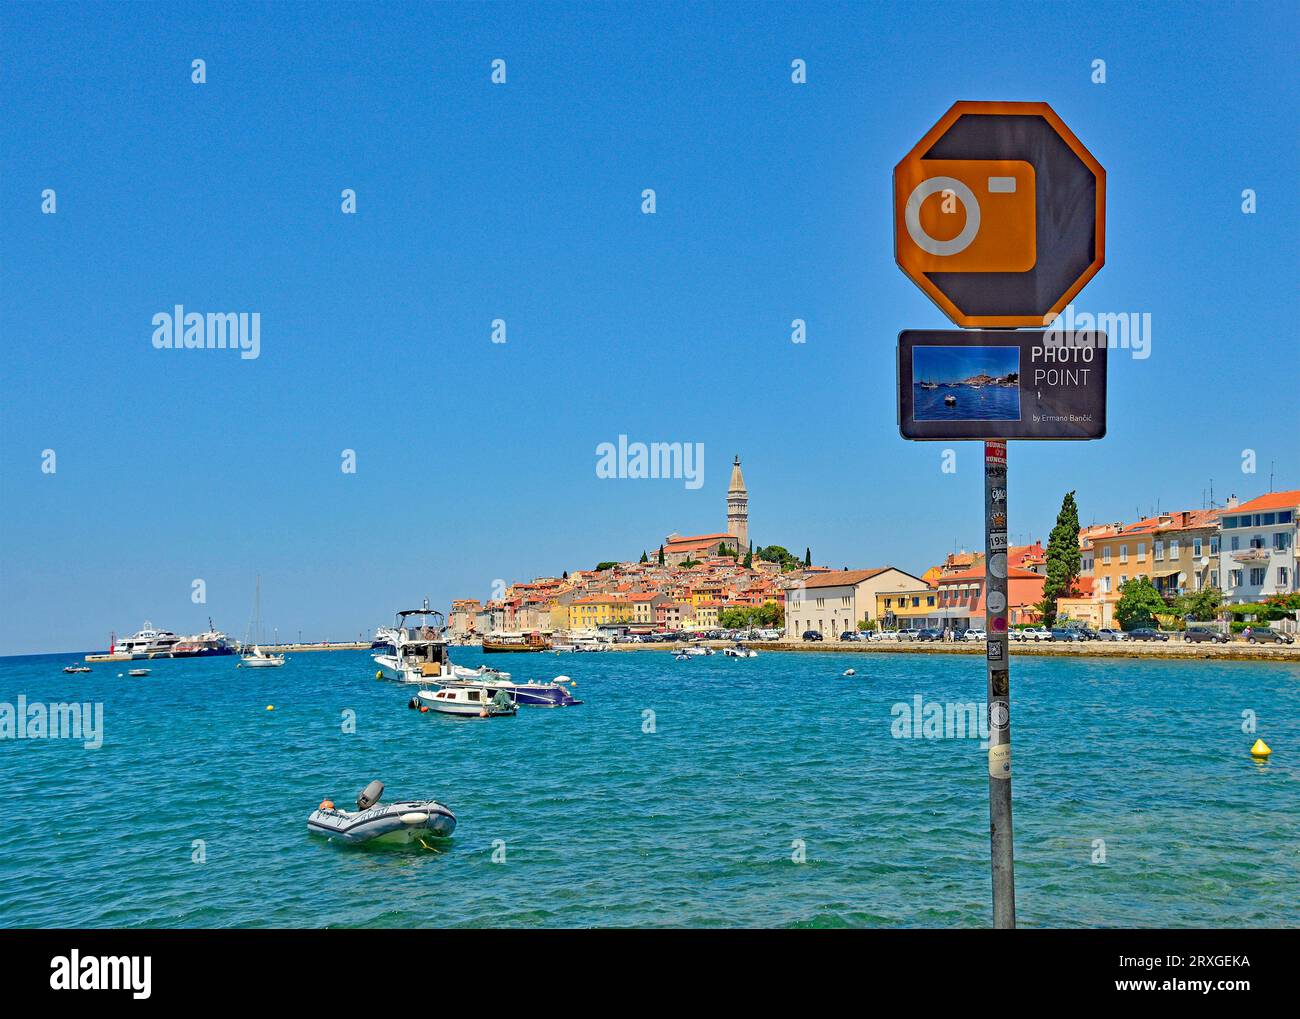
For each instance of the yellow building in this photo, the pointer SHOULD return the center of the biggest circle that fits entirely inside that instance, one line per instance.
(706, 613)
(908, 610)
(593, 610)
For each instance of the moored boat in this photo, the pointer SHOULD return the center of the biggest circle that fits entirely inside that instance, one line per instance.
(415, 649)
(555, 694)
(502, 643)
(137, 672)
(466, 702)
(372, 821)
(76, 668)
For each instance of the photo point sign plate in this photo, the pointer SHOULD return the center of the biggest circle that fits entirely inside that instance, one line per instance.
(1001, 384)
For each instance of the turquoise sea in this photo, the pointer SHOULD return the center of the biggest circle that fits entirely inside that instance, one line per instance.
(693, 824)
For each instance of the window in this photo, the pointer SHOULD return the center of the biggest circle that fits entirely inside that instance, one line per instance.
(1257, 541)
(1281, 540)
(1257, 576)
(1142, 552)
(1234, 578)
(1105, 556)
(1229, 523)
(1173, 549)
(1214, 578)
(916, 603)
(889, 602)
(1105, 584)
(1235, 543)
(1284, 517)
(930, 600)
(1268, 519)
(1283, 578)
(1214, 544)
(1123, 553)
(1157, 549)
(1196, 547)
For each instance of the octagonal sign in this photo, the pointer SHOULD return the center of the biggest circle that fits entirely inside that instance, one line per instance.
(1000, 214)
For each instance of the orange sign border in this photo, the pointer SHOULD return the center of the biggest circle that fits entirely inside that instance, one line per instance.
(1045, 111)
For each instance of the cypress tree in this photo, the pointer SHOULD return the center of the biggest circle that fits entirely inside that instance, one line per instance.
(1063, 558)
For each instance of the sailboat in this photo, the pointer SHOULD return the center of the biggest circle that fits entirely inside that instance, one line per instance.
(257, 658)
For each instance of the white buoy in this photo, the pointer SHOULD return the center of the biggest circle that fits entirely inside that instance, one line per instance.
(850, 672)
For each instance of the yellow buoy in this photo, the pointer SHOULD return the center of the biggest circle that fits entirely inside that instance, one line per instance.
(1260, 749)
(270, 707)
(379, 674)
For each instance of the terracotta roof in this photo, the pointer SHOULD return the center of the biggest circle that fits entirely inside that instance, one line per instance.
(1013, 573)
(843, 578)
(1272, 501)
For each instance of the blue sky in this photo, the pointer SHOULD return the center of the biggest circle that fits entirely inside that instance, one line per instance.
(475, 460)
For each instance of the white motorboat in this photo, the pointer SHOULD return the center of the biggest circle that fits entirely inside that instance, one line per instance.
(258, 659)
(555, 694)
(466, 702)
(482, 673)
(416, 651)
(564, 648)
(697, 651)
(740, 652)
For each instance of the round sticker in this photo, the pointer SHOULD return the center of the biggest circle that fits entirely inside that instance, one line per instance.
(999, 714)
(997, 601)
(999, 624)
(998, 565)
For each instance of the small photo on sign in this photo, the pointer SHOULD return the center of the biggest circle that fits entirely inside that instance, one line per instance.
(966, 383)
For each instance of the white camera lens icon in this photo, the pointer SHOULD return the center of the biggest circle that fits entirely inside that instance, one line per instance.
(912, 216)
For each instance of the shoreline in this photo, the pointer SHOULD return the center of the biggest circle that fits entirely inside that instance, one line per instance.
(1174, 650)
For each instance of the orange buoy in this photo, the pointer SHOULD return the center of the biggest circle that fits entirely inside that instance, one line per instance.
(326, 805)
(483, 713)
(423, 709)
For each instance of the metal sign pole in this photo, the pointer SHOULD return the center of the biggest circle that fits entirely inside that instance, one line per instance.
(999, 687)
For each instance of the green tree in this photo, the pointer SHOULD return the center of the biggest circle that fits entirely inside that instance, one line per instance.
(1063, 559)
(661, 555)
(807, 557)
(749, 559)
(601, 567)
(1139, 603)
(688, 562)
(1199, 606)
(644, 558)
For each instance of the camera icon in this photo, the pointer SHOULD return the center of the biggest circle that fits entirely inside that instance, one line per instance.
(967, 215)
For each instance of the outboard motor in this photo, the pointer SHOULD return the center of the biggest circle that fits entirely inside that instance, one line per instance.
(369, 796)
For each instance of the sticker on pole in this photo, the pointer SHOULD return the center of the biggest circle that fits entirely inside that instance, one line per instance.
(991, 384)
(999, 214)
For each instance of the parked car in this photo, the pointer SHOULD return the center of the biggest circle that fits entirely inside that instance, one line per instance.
(1085, 632)
(929, 633)
(1146, 633)
(1200, 636)
(887, 635)
(1066, 634)
(1267, 635)
(849, 635)
(812, 635)
(1035, 633)
(1108, 634)
(973, 634)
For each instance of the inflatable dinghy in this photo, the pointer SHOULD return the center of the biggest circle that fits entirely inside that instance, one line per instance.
(372, 821)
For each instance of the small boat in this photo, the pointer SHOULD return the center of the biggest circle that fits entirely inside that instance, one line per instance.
(554, 694)
(564, 648)
(258, 659)
(740, 652)
(372, 821)
(696, 651)
(929, 385)
(466, 702)
(76, 668)
(136, 672)
(950, 401)
(681, 656)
